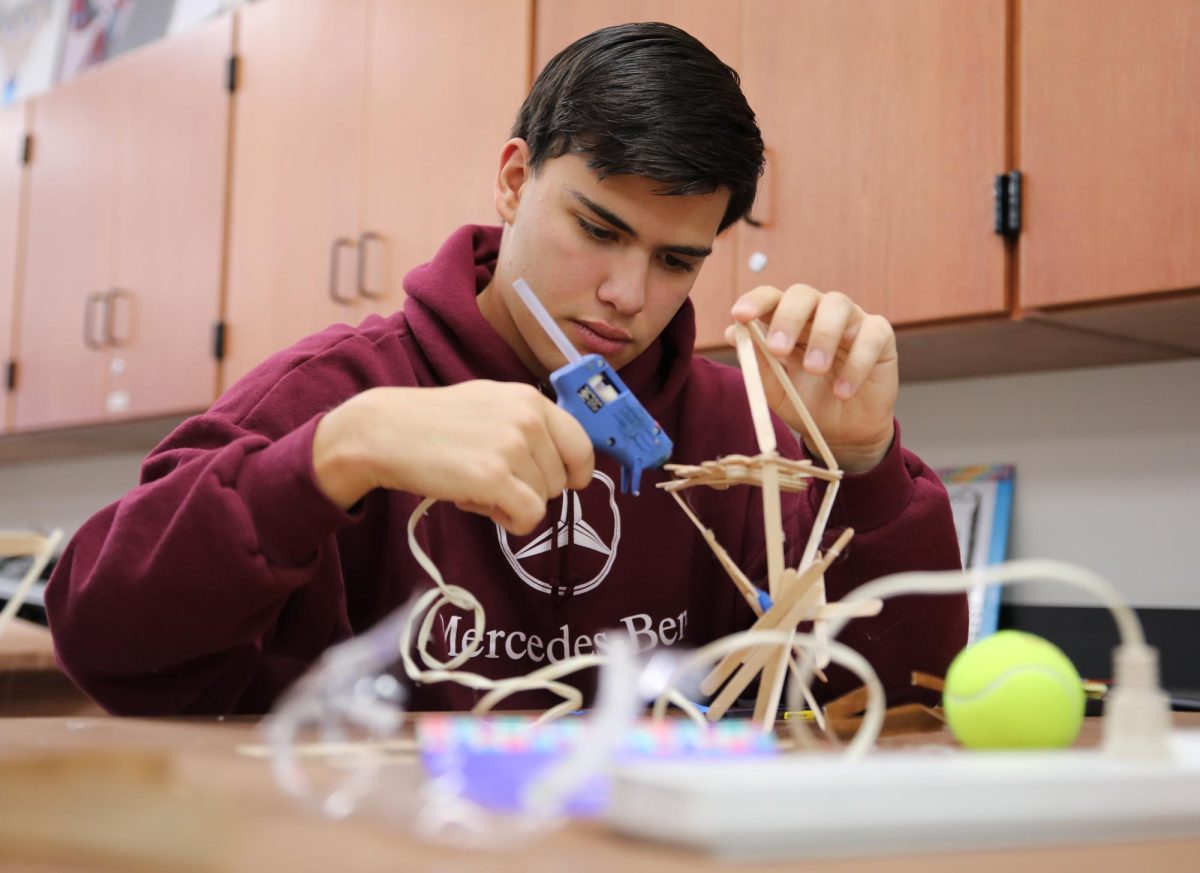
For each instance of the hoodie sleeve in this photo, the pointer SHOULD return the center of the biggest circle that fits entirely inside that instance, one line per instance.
(902, 521)
(167, 601)
(216, 581)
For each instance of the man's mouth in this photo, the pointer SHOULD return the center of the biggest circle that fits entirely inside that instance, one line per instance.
(602, 339)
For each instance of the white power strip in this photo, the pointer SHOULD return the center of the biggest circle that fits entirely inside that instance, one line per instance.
(919, 800)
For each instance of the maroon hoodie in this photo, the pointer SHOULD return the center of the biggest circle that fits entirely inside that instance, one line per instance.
(215, 582)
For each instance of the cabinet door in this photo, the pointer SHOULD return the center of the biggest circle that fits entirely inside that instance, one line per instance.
(1109, 125)
(297, 162)
(68, 254)
(169, 221)
(12, 132)
(717, 24)
(885, 126)
(436, 121)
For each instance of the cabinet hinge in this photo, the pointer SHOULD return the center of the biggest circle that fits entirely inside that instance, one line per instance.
(10, 375)
(218, 347)
(231, 74)
(26, 150)
(1006, 194)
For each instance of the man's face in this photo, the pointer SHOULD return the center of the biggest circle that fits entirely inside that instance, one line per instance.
(611, 260)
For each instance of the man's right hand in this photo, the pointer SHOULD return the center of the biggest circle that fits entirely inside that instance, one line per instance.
(499, 449)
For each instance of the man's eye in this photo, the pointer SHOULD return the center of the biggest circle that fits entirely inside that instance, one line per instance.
(677, 265)
(597, 233)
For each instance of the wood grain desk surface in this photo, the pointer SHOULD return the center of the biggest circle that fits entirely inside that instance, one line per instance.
(31, 682)
(26, 646)
(209, 758)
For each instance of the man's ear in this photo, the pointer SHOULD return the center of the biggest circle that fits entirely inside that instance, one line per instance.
(510, 180)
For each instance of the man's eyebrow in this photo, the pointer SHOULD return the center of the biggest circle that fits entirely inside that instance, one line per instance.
(620, 224)
(689, 251)
(611, 217)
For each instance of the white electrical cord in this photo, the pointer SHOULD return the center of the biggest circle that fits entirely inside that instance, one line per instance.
(433, 670)
(802, 645)
(1137, 714)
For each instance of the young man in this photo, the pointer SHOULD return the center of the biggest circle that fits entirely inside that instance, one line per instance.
(274, 525)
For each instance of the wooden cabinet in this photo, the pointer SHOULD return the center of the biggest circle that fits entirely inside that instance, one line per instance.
(444, 83)
(12, 135)
(366, 132)
(68, 267)
(297, 159)
(717, 24)
(121, 285)
(1109, 145)
(885, 125)
(1106, 127)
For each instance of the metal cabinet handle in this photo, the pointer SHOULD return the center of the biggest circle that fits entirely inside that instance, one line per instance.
(110, 300)
(89, 321)
(338, 244)
(363, 290)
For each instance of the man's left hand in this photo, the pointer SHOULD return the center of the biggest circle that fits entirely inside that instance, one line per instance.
(841, 359)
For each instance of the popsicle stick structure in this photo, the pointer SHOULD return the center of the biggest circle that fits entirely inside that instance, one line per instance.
(796, 594)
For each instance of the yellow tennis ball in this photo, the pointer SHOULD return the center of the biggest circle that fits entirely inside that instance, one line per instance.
(1013, 690)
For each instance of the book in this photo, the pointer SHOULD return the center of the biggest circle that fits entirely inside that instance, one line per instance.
(981, 497)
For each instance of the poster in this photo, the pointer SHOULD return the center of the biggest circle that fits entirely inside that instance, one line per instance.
(31, 32)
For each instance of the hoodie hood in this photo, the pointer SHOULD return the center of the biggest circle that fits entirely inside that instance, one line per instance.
(460, 344)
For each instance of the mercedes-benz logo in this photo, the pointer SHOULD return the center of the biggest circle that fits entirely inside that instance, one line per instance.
(582, 534)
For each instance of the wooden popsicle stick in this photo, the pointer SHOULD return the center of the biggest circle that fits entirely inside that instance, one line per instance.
(770, 688)
(810, 427)
(773, 528)
(824, 561)
(750, 667)
(819, 524)
(760, 412)
(743, 584)
(805, 691)
(779, 615)
(769, 620)
(928, 680)
(849, 704)
(820, 628)
(795, 588)
(322, 749)
(741, 470)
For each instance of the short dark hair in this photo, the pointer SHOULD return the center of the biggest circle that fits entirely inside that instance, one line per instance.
(648, 100)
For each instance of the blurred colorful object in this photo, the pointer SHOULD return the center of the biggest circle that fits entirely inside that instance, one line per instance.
(492, 760)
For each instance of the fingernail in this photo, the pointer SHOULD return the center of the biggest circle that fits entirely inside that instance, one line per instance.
(743, 308)
(815, 359)
(778, 341)
(843, 389)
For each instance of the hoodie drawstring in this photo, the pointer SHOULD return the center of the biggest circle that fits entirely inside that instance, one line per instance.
(564, 582)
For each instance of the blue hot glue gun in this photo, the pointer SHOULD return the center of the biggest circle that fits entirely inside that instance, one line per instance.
(590, 390)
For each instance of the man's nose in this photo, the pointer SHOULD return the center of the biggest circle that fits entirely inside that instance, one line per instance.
(625, 287)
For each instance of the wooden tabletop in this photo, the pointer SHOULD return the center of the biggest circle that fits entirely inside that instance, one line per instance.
(26, 646)
(31, 682)
(188, 794)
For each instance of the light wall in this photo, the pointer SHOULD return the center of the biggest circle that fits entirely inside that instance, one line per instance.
(65, 492)
(1108, 468)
